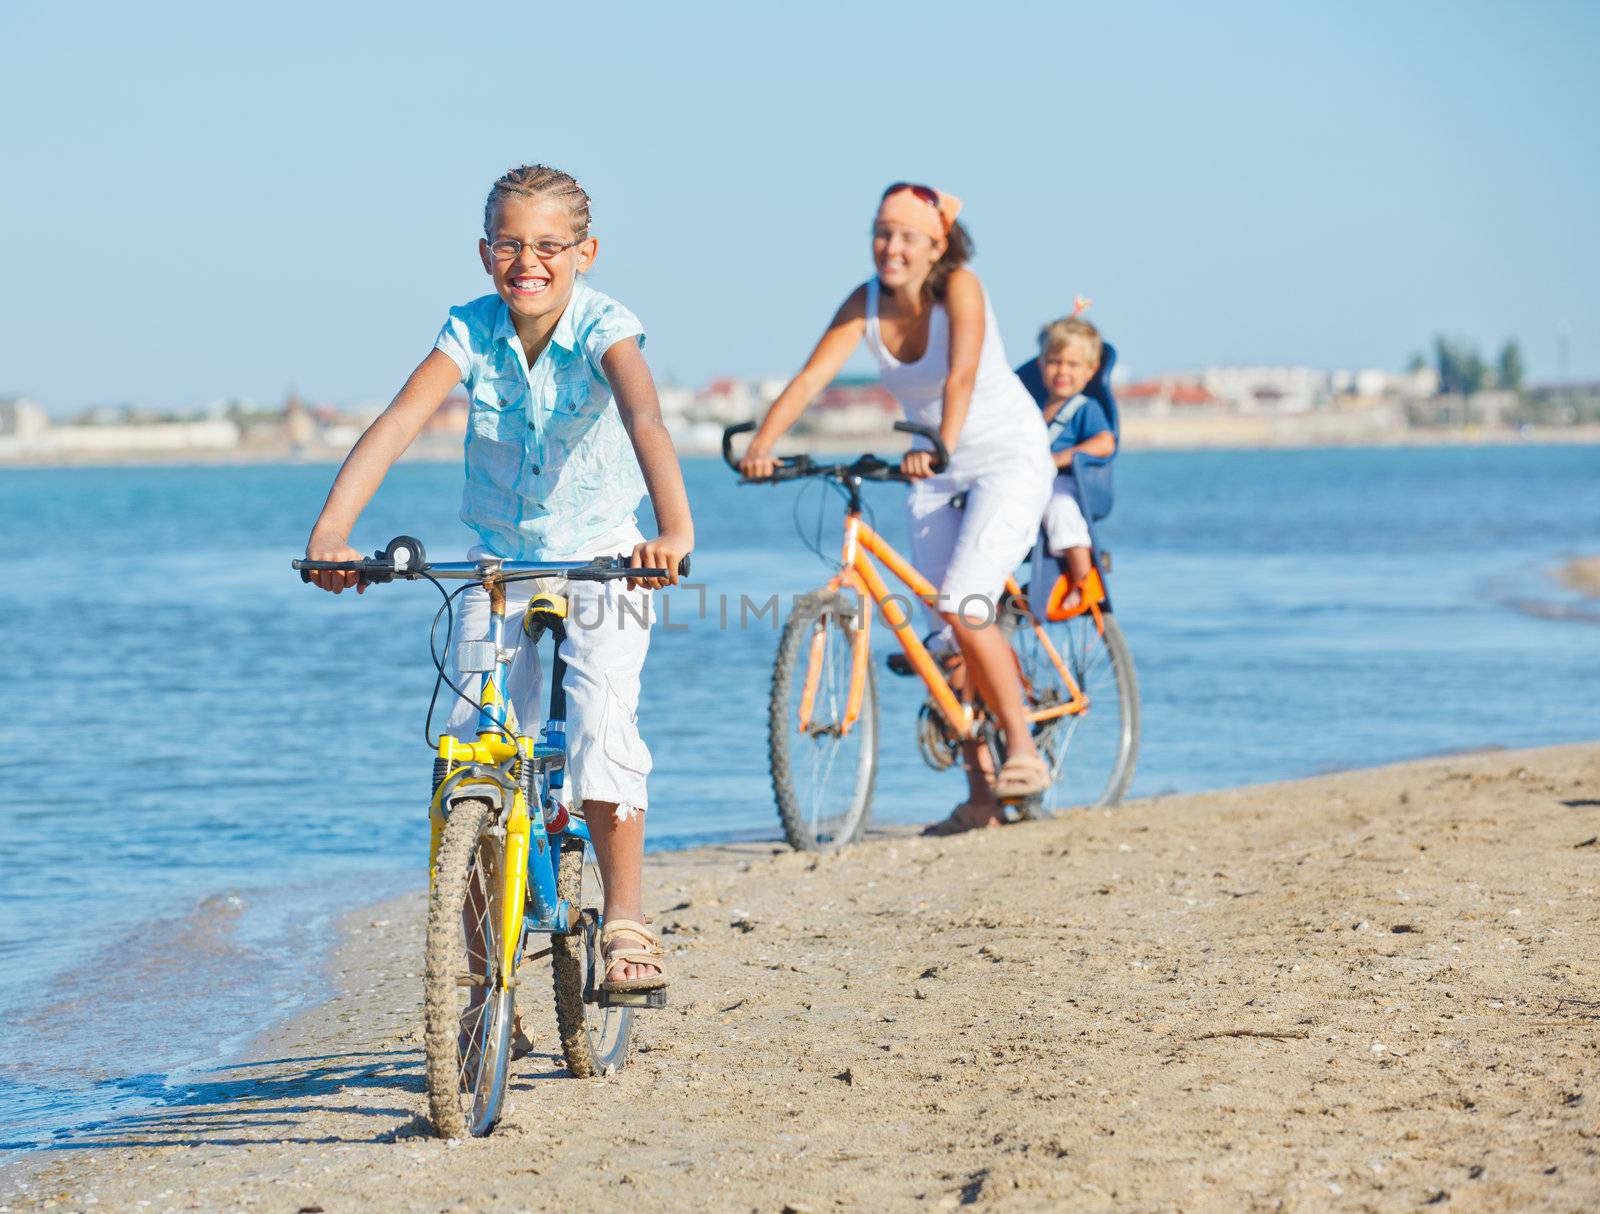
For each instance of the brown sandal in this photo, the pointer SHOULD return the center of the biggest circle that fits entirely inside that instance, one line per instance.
(1022, 776)
(650, 954)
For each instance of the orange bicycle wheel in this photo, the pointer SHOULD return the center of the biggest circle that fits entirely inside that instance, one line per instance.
(1092, 753)
(824, 763)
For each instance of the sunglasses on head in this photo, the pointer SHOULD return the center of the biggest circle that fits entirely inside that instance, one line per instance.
(928, 194)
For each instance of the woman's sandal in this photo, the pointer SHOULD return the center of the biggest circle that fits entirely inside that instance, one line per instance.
(1022, 776)
(650, 954)
(961, 819)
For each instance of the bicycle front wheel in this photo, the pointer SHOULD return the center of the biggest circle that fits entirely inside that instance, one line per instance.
(595, 1040)
(824, 764)
(468, 1011)
(1091, 753)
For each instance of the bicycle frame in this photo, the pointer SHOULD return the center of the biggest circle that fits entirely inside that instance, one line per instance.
(532, 833)
(861, 543)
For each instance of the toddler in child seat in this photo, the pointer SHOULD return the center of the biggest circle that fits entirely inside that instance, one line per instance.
(1069, 355)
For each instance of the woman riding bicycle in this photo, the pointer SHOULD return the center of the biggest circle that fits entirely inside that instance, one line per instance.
(928, 322)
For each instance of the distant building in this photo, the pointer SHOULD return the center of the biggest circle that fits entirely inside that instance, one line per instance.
(1267, 389)
(1159, 397)
(299, 426)
(853, 405)
(20, 418)
(726, 400)
(451, 417)
(676, 401)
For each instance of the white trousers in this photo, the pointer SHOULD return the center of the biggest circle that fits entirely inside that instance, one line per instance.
(1064, 524)
(608, 635)
(968, 552)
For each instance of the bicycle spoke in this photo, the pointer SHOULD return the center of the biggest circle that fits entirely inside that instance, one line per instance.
(479, 920)
(471, 1046)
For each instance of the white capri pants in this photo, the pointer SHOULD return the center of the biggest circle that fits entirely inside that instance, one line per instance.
(968, 553)
(604, 649)
(1064, 525)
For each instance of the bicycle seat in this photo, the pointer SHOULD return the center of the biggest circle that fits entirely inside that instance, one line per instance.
(545, 611)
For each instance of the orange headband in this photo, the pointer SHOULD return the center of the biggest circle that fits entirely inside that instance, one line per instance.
(909, 206)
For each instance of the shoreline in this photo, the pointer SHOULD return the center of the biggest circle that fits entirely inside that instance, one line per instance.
(449, 451)
(1187, 925)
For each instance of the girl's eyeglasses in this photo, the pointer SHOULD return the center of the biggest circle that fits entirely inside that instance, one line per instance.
(507, 249)
(928, 194)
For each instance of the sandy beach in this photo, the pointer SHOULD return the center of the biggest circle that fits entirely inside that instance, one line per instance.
(1367, 991)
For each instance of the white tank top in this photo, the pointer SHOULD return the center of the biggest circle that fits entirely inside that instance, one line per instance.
(1002, 420)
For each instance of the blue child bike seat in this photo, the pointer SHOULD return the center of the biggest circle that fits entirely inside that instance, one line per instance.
(1091, 473)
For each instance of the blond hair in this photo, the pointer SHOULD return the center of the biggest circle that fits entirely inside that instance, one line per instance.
(1059, 333)
(539, 181)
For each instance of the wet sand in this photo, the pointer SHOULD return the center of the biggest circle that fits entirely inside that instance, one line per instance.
(1371, 990)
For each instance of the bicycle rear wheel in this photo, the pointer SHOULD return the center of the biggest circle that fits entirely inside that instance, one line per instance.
(595, 1040)
(468, 1012)
(1092, 753)
(822, 772)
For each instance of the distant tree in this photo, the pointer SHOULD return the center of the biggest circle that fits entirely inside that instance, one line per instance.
(1417, 363)
(1461, 368)
(1511, 370)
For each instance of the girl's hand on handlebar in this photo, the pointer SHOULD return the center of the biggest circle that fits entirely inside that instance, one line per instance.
(335, 581)
(757, 464)
(917, 464)
(663, 552)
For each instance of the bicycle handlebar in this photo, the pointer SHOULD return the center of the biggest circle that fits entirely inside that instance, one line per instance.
(866, 467)
(404, 557)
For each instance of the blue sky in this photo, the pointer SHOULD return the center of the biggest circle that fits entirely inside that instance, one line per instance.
(203, 200)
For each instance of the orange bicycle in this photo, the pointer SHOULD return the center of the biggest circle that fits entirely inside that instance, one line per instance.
(1074, 665)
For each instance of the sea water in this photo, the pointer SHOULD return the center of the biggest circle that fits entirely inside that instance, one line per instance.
(206, 762)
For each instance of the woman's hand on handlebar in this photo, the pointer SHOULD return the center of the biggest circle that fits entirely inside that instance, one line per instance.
(917, 464)
(757, 464)
(663, 552)
(333, 548)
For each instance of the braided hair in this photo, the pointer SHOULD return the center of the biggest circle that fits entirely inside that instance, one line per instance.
(539, 181)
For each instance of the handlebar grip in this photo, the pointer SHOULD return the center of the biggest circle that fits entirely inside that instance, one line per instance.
(403, 555)
(367, 572)
(941, 454)
(683, 568)
(727, 442)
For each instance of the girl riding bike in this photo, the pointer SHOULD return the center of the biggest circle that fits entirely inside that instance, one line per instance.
(927, 321)
(564, 436)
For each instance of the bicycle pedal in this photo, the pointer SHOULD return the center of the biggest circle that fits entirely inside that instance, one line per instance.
(645, 999)
(899, 663)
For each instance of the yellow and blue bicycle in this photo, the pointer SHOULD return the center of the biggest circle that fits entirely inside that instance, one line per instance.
(509, 860)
